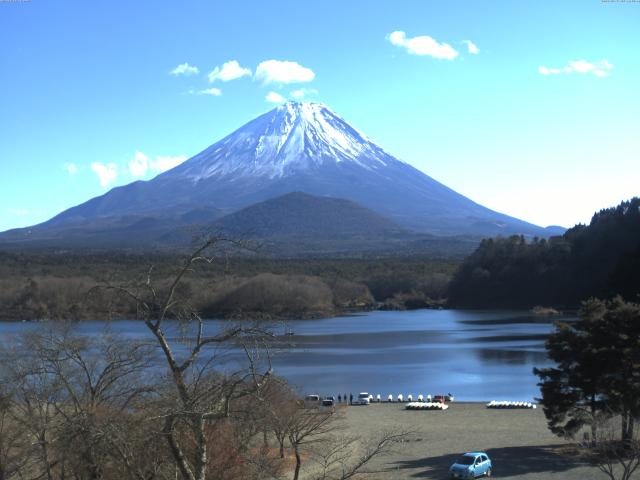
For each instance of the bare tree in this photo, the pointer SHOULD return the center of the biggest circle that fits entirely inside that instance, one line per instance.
(280, 405)
(198, 398)
(33, 395)
(306, 428)
(617, 459)
(68, 392)
(14, 447)
(341, 458)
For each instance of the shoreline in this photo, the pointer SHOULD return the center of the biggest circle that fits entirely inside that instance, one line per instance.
(268, 317)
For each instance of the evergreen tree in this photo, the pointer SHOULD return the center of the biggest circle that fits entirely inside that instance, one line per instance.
(598, 369)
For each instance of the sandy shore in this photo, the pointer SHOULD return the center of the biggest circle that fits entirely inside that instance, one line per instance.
(517, 441)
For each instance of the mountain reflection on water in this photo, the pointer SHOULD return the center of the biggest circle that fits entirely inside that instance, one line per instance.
(476, 355)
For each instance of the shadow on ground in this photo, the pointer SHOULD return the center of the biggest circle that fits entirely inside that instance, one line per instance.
(507, 462)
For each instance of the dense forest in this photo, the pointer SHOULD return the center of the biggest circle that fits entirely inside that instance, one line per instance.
(601, 260)
(50, 285)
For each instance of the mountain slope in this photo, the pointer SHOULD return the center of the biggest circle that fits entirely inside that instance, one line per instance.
(301, 215)
(296, 147)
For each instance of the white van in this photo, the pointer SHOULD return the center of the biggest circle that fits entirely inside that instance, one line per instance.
(363, 399)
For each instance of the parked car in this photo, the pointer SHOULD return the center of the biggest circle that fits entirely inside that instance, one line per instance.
(363, 399)
(327, 404)
(312, 400)
(471, 465)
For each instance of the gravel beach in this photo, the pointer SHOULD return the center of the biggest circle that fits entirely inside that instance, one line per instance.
(517, 441)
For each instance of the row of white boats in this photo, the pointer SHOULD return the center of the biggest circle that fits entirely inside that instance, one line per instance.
(510, 405)
(400, 398)
(492, 404)
(426, 406)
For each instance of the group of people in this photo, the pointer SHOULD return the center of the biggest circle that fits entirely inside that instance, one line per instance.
(341, 397)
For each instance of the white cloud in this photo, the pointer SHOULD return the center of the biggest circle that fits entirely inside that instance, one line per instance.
(184, 69)
(107, 173)
(423, 45)
(274, 97)
(71, 168)
(302, 92)
(229, 71)
(216, 92)
(599, 69)
(164, 163)
(139, 165)
(19, 212)
(276, 71)
(472, 48)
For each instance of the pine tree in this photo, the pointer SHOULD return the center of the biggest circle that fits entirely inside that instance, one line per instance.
(598, 369)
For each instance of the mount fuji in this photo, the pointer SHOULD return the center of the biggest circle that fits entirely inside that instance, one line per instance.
(296, 147)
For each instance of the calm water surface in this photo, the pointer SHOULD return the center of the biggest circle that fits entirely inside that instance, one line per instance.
(476, 355)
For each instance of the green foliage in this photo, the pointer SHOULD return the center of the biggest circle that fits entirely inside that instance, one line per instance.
(599, 260)
(598, 368)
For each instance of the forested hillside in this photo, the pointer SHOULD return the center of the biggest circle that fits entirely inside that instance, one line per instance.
(56, 285)
(601, 259)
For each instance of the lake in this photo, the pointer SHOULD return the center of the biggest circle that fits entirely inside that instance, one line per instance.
(476, 355)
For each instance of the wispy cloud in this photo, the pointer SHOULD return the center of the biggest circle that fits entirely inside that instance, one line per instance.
(422, 45)
(164, 163)
(599, 69)
(229, 71)
(141, 164)
(18, 212)
(472, 48)
(303, 92)
(71, 168)
(216, 92)
(185, 69)
(107, 173)
(277, 71)
(274, 97)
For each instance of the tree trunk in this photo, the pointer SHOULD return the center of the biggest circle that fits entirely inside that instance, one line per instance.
(594, 421)
(201, 448)
(282, 449)
(627, 425)
(178, 455)
(296, 473)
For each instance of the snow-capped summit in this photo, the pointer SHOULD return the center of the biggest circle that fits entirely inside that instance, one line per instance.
(293, 137)
(295, 147)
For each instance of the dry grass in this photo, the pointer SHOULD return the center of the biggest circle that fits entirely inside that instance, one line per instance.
(518, 442)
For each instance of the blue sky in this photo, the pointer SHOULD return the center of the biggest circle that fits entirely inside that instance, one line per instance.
(537, 117)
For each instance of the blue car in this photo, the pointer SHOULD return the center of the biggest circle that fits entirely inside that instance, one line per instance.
(471, 465)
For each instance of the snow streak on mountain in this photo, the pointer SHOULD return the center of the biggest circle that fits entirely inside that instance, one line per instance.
(292, 138)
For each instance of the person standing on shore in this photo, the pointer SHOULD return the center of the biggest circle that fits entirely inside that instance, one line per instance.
(339, 399)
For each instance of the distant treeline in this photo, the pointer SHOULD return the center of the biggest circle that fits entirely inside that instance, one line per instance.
(61, 285)
(599, 260)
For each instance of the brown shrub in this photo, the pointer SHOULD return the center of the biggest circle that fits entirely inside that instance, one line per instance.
(277, 295)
